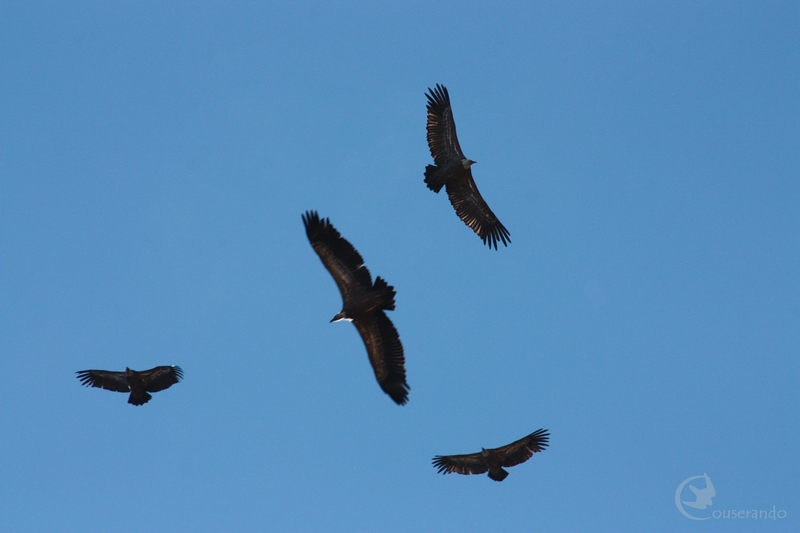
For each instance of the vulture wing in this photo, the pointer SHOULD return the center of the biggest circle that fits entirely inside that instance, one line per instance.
(470, 463)
(337, 254)
(442, 139)
(520, 451)
(474, 211)
(104, 379)
(161, 377)
(385, 353)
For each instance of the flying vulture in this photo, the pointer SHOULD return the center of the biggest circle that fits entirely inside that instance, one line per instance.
(494, 459)
(452, 170)
(363, 303)
(139, 384)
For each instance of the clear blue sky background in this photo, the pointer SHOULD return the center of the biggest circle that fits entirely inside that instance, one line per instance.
(155, 160)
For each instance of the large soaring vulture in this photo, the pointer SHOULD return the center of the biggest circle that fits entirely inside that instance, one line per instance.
(495, 459)
(452, 170)
(363, 304)
(139, 384)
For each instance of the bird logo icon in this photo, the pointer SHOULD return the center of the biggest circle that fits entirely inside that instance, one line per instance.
(703, 496)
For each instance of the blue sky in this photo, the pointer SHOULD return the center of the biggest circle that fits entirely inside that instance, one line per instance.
(154, 163)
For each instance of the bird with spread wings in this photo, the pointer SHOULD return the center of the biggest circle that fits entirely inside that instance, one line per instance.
(452, 170)
(494, 459)
(139, 384)
(363, 303)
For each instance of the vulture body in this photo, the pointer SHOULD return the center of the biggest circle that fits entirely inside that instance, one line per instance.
(139, 384)
(494, 459)
(363, 303)
(452, 170)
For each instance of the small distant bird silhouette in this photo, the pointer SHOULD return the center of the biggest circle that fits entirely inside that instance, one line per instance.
(494, 459)
(363, 304)
(139, 384)
(452, 170)
(702, 496)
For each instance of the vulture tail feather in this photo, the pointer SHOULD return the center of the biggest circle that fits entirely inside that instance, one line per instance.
(498, 475)
(432, 179)
(386, 292)
(139, 399)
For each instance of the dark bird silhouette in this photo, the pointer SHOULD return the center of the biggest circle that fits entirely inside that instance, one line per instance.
(363, 303)
(452, 170)
(494, 459)
(139, 384)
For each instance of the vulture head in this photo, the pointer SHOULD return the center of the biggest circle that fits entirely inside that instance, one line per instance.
(341, 316)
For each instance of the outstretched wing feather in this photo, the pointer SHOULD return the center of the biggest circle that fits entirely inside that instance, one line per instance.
(104, 379)
(340, 258)
(385, 354)
(520, 451)
(161, 377)
(442, 139)
(475, 212)
(460, 464)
